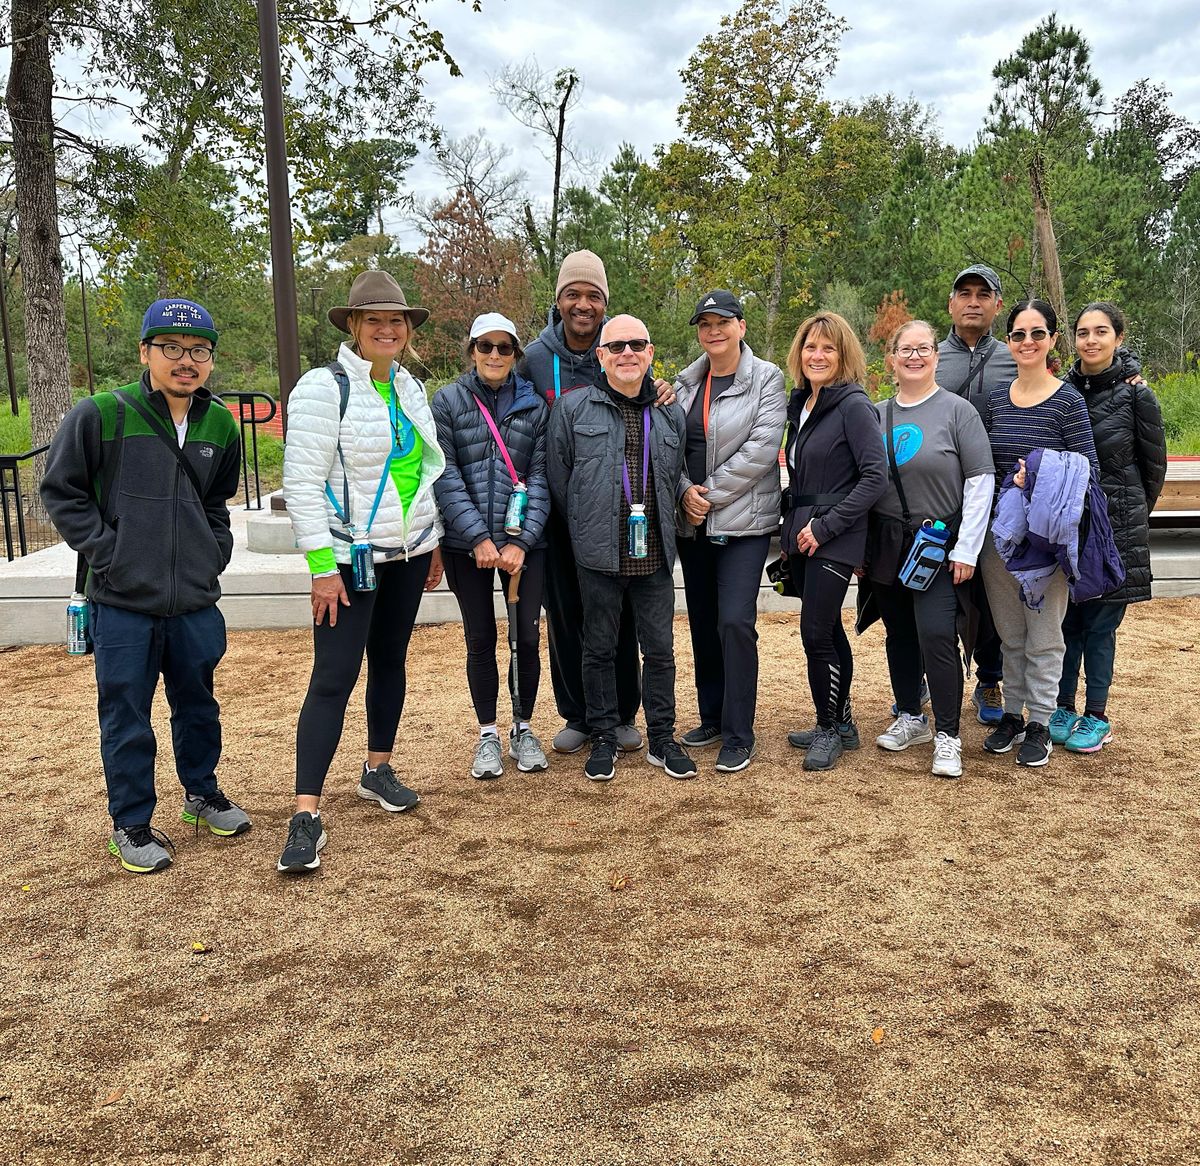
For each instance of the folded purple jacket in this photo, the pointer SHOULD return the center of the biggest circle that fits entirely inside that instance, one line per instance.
(1058, 521)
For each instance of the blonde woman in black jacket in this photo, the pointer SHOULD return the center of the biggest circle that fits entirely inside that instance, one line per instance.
(837, 471)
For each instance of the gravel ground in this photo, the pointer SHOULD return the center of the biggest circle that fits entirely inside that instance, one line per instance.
(766, 967)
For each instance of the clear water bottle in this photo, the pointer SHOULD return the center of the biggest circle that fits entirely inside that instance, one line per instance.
(518, 505)
(79, 640)
(362, 564)
(637, 531)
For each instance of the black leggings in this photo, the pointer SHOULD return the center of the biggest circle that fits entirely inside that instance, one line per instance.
(922, 639)
(473, 587)
(830, 662)
(381, 621)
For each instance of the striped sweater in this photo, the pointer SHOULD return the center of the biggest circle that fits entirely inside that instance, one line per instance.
(1059, 422)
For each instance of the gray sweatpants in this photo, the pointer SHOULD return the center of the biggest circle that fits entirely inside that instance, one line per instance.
(1032, 640)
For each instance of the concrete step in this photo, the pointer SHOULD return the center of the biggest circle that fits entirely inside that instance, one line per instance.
(272, 590)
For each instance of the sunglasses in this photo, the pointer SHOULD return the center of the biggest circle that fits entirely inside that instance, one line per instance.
(486, 346)
(616, 347)
(1037, 335)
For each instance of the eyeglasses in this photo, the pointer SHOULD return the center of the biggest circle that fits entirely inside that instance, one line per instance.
(922, 350)
(486, 347)
(1037, 335)
(616, 347)
(201, 353)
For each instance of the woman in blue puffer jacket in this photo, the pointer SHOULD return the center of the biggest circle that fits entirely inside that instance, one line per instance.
(491, 426)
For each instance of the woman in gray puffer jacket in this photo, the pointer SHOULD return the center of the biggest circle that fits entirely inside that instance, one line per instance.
(491, 426)
(729, 499)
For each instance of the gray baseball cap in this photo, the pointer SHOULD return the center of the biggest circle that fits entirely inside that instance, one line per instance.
(983, 272)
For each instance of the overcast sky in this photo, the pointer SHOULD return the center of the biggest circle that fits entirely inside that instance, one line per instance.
(630, 53)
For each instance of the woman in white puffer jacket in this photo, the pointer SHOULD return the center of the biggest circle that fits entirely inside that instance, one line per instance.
(359, 464)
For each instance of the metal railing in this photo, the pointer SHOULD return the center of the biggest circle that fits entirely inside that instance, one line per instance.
(248, 416)
(31, 533)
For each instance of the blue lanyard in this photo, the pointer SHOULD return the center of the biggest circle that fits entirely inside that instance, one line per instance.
(557, 378)
(404, 439)
(645, 462)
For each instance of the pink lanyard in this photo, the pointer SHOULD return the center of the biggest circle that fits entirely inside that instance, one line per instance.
(512, 473)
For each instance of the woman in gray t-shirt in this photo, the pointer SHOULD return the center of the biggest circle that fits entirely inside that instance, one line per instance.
(943, 461)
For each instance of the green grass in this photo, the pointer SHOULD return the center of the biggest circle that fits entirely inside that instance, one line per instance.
(1179, 396)
(14, 431)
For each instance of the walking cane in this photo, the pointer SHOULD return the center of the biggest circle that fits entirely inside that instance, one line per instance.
(514, 679)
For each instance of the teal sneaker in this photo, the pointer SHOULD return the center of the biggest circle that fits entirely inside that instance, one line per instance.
(1089, 735)
(1062, 723)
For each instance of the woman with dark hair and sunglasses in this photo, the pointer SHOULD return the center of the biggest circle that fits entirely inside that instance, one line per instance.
(1035, 411)
(495, 500)
(1132, 447)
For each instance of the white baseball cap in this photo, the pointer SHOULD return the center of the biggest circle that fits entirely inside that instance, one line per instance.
(492, 322)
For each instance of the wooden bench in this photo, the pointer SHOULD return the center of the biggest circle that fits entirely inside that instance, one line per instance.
(1179, 503)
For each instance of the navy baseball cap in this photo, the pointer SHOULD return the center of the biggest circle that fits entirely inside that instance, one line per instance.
(183, 317)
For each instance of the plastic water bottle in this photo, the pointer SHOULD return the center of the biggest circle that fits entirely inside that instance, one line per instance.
(637, 531)
(362, 564)
(518, 505)
(79, 641)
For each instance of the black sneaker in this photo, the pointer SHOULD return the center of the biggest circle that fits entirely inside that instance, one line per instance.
(825, 749)
(672, 757)
(702, 736)
(734, 758)
(1009, 732)
(602, 763)
(1035, 751)
(305, 841)
(847, 731)
(380, 785)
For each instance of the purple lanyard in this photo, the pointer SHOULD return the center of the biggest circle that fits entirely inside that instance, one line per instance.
(645, 461)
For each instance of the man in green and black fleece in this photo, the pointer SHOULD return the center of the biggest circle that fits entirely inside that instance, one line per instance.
(138, 482)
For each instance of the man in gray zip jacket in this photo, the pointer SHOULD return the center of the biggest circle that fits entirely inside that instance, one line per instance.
(735, 406)
(614, 462)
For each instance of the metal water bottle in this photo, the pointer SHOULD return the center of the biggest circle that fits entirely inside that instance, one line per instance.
(79, 640)
(518, 505)
(637, 531)
(362, 563)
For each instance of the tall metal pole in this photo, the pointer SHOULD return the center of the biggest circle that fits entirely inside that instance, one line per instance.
(283, 274)
(87, 337)
(8, 359)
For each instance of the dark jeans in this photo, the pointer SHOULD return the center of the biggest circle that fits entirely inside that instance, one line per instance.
(823, 585)
(653, 601)
(989, 651)
(381, 622)
(564, 633)
(473, 588)
(922, 640)
(132, 650)
(721, 584)
(1090, 632)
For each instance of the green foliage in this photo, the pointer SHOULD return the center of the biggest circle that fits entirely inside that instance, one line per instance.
(1179, 396)
(14, 431)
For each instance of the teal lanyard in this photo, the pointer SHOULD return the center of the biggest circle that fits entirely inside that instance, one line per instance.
(403, 440)
(557, 378)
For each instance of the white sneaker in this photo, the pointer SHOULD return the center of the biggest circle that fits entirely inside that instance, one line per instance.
(488, 762)
(947, 756)
(904, 731)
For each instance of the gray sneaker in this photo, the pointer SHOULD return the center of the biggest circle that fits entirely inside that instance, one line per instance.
(380, 785)
(847, 731)
(141, 849)
(825, 749)
(904, 731)
(488, 762)
(629, 740)
(218, 813)
(568, 740)
(526, 750)
(701, 737)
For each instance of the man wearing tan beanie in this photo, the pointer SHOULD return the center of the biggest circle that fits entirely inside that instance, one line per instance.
(561, 359)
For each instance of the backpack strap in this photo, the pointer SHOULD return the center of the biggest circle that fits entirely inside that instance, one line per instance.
(110, 470)
(895, 469)
(343, 384)
(171, 442)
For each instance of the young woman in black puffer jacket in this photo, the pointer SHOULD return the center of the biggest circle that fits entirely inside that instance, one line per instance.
(491, 426)
(1132, 448)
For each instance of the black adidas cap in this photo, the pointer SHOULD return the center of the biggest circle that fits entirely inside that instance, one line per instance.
(719, 303)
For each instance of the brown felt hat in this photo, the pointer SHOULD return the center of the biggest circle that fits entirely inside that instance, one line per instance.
(378, 291)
